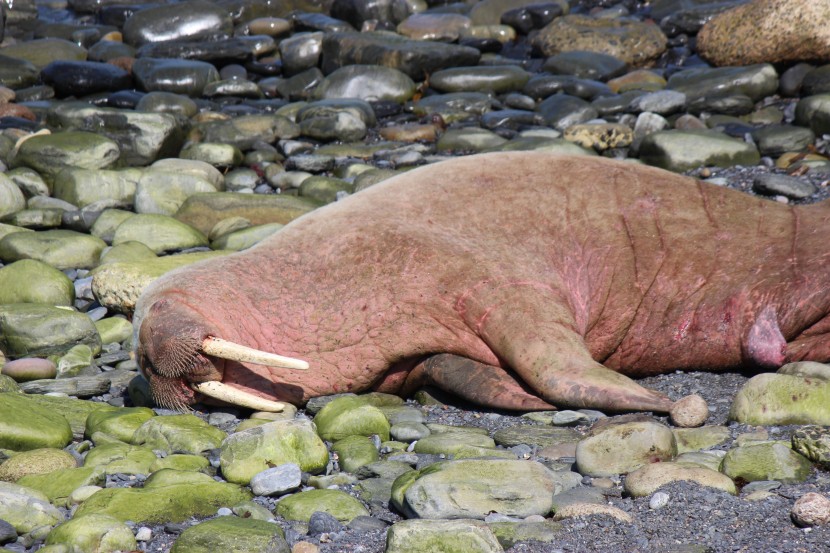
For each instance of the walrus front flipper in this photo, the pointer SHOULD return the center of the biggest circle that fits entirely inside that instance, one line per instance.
(479, 383)
(532, 328)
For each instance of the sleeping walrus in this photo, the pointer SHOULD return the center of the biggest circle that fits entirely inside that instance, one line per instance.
(548, 280)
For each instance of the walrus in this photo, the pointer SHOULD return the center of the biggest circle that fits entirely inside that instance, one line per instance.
(514, 280)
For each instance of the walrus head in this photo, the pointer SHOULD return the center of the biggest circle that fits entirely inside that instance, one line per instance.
(179, 364)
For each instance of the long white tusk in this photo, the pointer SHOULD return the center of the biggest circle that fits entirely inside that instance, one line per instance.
(236, 352)
(234, 396)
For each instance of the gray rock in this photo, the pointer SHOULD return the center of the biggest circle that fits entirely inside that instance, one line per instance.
(623, 445)
(163, 192)
(783, 185)
(662, 102)
(814, 112)
(585, 65)
(754, 81)
(26, 509)
(48, 154)
(62, 249)
(278, 480)
(685, 150)
(84, 187)
(774, 140)
(300, 52)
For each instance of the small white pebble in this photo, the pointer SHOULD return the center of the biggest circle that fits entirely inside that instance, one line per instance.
(143, 534)
(224, 512)
(658, 500)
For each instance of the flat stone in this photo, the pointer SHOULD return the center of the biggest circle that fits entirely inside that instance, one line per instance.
(415, 58)
(197, 20)
(647, 479)
(188, 77)
(231, 533)
(685, 150)
(39, 330)
(766, 461)
(753, 81)
(456, 536)
(303, 505)
(623, 445)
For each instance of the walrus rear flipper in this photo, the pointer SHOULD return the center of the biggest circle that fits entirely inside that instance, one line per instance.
(550, 355)
(479, 383)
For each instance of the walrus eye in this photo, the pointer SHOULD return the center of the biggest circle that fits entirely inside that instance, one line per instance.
(224, 349)
(228, 394)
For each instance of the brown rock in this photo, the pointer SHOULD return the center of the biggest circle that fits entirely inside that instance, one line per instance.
(635, 42)
(689, 411)
(16, 110)
(811, 509)
(767, 31)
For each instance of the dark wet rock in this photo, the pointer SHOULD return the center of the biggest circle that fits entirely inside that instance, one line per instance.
(725, 104)
(187, 77)
(17, 73)
(790, 82)
(193, 20)
(367, 82)
(80, 78)
(542, 86)
(561, 111)
(300, 52)
(534, 16)
(105, 50)
(298, 87)
(305, 21)
(814, 112)
(496, 79)
(356, 12)
(413, 57)
(440, 27)
(490, 12)
(511, 119)
(585, 65)
(634, 42)
(220, 51)
(688, 16)
(816, 81)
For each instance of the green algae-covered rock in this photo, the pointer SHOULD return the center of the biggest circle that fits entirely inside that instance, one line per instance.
(93, 534)
(26, 425)
(251, 451)
(766, 461)
(60, 248)
(74, 361)
(646, 480)
(35, 461)
(451, 443)
(195, 463)
(541, 436)
(350, 416)
(11, 198)
(231, 533)
(244, 238)
(28, 329)
(473, 488)
(25, 508)
(159, 504)
(510, 533)
(82, 187)
(73, 410)
(114, 329)
(120, 424)
(354, 452)
(49, 154)
(623, 445)
(117, 457)
(338, 504)
(32, 281)
(118, 285)
(444, 536)
(203, 211)
(59, 484)
(695, 439)
(179, 434)
(160, 233)
(780, 398)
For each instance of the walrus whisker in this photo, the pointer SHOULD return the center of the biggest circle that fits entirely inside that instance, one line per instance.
(234, 396)
(218, 347)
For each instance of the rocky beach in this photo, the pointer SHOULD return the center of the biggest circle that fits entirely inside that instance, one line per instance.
(140, 137)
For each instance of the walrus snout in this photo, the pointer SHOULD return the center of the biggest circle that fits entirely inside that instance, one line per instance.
(179, 356)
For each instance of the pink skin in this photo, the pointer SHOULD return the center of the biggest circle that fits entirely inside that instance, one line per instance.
(556, 275)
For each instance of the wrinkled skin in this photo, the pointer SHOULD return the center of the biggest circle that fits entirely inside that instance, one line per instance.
(546, 279)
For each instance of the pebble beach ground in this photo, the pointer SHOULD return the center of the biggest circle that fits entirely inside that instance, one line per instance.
(135, 137)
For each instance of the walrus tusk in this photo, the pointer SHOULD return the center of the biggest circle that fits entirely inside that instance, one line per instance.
(228, 394)
(236, 352)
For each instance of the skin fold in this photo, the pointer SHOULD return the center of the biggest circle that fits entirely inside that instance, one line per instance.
(545, 280)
